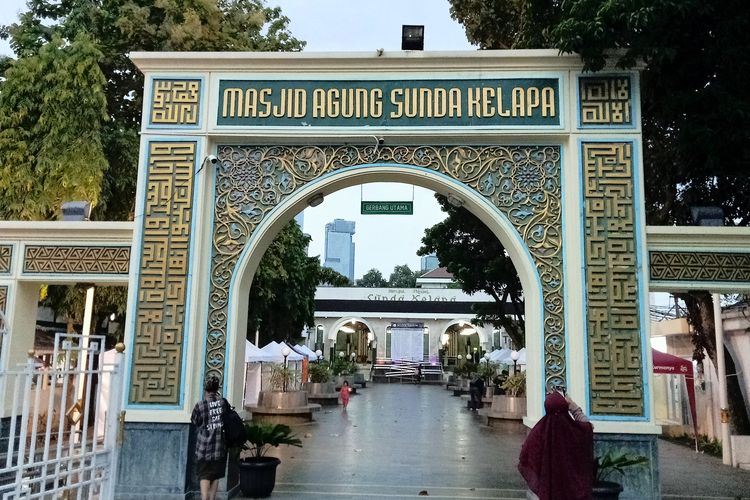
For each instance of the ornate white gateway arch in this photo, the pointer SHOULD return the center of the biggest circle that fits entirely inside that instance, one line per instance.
(235, 144)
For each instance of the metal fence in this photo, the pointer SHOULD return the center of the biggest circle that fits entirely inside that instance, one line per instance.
(59, 427)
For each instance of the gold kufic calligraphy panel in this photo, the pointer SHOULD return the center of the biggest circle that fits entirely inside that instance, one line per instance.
(162, 285)
(699, 266)
(59, 259)
(6, 254)
(613, 318)
(605, 101)
(523, 182)
(175, 102)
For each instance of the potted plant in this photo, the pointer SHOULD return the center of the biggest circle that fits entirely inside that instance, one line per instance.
(512, 403)
(320, 377)
(515, 385)
(498, 381)
(284, 391)
(606, 465)
(341, 369)
(487, 371)
(282, 378)
(319, 373)
(258, 471)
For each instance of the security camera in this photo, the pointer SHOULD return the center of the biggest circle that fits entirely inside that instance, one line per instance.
(213, 160)
(381, 141)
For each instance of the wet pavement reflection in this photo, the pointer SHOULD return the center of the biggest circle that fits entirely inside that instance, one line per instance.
(395, 441)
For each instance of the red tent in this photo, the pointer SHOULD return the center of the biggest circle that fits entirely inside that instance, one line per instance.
(672, 365)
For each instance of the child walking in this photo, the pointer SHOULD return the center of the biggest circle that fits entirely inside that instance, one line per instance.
(345, 393)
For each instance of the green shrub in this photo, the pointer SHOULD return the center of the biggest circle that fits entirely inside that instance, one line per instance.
(616, 461)
(319, 373)
(488, 370)
(282, 378)
(342, 366)
(515, 385)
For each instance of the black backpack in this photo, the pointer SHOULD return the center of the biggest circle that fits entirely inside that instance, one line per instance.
(234, 427)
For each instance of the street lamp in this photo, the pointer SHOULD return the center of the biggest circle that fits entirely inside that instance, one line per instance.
(341, 354)
(514, 356)
(487, 357)
(285, 351)
(458, 359)
(319, 354)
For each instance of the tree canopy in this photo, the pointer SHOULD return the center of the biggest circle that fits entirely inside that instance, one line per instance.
(403, 277)
(693, 90)
(372, 279)
(479, 263)
(52, 110)
(694, 102)
(282, 296)
(112, 29)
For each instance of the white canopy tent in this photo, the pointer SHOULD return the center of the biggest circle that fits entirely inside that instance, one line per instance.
(254, 354)
(498, 355)
(306, 351)
(274, 348)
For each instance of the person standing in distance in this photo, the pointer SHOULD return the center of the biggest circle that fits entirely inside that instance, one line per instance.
(210, 452)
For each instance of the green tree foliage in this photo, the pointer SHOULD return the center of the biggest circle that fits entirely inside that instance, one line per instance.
(372, 279)
(70, 107)
(52, 106)
(694, 101)
(68, 302)
(479, 263)
(123, 26)
(282, 296)
(403, 277)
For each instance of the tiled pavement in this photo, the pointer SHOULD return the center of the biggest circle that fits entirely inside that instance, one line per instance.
(397, 441)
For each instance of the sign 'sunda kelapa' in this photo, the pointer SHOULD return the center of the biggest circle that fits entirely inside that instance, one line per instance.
(490, 102)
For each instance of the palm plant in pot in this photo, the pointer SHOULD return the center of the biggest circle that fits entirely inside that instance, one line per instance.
(608, 464)
(258, 471)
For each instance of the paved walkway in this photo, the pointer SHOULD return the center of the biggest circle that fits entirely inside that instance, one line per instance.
(397, 441)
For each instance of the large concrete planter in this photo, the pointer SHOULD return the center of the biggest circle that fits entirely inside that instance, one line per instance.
(316, 388)
(288, 408)
(282, 400)
(508, 407)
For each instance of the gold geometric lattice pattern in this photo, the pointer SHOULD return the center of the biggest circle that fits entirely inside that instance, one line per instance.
(614, 343)
(699, 266)
(6, 253)
(523, 182)
(162, 286)
(605, 100)
(3, 297)
(175, 102)
(53, 259)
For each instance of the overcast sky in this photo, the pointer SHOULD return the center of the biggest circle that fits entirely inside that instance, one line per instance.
(382, 241)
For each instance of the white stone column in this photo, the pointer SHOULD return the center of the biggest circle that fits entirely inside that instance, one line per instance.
(726, 441)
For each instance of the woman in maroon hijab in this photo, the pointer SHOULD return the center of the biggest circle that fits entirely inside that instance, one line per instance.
(557, 458)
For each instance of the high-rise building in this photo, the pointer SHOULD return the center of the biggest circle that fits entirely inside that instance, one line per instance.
(339, 250)
(429, 262)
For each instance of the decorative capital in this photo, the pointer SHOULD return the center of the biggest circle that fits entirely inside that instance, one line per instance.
(605, 101)
(175, 102)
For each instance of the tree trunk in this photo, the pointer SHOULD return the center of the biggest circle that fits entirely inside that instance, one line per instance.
(701, 320)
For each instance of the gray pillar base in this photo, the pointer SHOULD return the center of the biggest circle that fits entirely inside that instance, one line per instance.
(156, 461)
(638, 482)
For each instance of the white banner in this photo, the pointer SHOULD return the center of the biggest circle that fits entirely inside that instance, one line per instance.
(407, 344)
